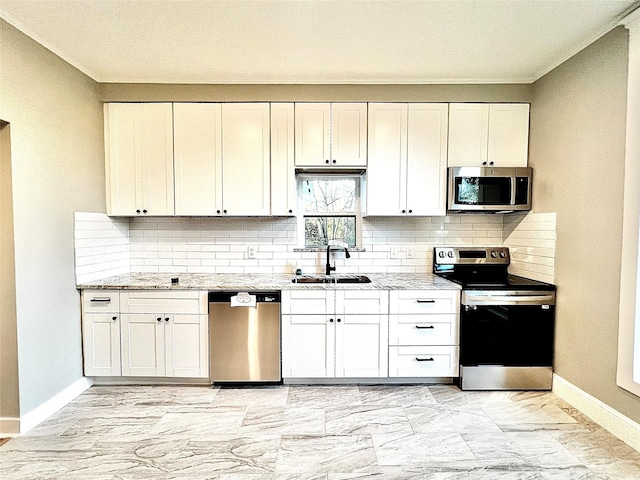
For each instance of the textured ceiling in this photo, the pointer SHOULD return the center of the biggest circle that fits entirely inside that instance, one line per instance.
(314, 41)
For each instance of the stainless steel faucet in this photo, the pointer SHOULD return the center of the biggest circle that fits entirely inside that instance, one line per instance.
(336, 244)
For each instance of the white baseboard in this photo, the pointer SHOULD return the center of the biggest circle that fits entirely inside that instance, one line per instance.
(9, 427)
(51, 406)
(621, 426)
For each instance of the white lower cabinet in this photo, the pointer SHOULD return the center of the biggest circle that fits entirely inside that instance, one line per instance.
(101, 332)
(346, 336)
(156, 334)
(424, 333)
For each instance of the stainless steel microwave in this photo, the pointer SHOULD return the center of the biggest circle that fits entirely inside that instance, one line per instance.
(489, 189)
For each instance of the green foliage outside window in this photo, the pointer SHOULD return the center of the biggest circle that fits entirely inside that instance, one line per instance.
(329, 206)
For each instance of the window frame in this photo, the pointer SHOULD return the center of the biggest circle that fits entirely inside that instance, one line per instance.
(301, 177)
(628, 371)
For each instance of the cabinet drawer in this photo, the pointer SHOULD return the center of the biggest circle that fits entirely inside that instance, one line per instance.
(423, 329)
(423, 361)
(307, 302)
(424, 301)
(162, 301)
(359, 302)
(96, 301)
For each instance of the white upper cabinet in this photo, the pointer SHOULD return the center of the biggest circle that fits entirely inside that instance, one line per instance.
(387, 168)
(197, 129)
(427, 158)
(330, 134)
(222, 158)
(509, 134)
(283, 179)
(406, 173)
(139, 158)
(494, 134)
(246, 167)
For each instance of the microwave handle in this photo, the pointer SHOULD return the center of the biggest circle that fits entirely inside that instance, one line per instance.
(514, 186)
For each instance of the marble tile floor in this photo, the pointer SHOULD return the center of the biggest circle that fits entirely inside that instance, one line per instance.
(342, 432)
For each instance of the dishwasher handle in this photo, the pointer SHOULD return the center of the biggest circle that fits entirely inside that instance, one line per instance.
(261, 297)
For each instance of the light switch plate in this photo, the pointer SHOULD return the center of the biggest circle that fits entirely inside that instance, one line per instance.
(251, 252)
(410, 252)
(393, 253)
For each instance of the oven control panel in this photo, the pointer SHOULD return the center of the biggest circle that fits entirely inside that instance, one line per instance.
(471, 255)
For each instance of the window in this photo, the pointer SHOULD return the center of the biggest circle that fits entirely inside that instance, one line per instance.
(329, 209)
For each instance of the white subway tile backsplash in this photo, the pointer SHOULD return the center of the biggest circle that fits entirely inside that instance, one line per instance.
(219, 245)
(101, 246)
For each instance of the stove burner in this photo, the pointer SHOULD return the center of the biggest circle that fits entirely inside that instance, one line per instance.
(484, 272)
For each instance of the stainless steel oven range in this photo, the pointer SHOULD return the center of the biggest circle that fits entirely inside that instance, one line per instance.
(506, 321)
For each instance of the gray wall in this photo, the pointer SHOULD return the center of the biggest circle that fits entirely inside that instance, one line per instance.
(577, 148)
(57, 167)
(118, 92)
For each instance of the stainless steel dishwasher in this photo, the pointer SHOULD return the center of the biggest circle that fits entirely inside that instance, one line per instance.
(244, 337)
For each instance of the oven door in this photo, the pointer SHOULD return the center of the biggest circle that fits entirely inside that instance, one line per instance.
(504, 344)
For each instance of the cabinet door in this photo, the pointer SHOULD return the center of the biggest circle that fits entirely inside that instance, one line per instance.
(508, 134)
(143, 345)
(361, 346)
(427, 159)
(120, 157)
(246, 171)
(468, 134)
(349, 134)
(283, 181)
(308, 347)
(101, 343)
(186, 346)
(312, 137)
(156, 146)
(139, 158)
(387, 164)
(197, 158)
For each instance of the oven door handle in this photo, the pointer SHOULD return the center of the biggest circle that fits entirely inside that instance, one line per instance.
(547, 298)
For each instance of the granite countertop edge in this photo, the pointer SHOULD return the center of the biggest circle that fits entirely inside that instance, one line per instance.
(264, 282)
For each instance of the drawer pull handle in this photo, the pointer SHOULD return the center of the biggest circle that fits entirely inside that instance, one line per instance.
(430, 359)
(424, 327)
(101, 300)
(425, 301)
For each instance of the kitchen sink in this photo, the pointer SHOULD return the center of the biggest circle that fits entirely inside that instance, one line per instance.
(353, 279)
(330, 279)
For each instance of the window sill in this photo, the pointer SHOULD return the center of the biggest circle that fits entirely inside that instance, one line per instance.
(324, 249)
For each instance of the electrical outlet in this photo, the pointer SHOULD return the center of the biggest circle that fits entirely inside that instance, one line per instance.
(393, 253)
(251, 252)
(410, 252)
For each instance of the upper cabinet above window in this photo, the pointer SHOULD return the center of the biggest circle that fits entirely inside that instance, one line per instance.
(488, 135)
(330, 134)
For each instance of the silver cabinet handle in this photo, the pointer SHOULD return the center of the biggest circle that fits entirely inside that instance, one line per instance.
(430, 359)
(421, 327)
(100, 300)
(425, 301)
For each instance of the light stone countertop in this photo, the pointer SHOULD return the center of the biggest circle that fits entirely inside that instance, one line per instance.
(266, 282)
